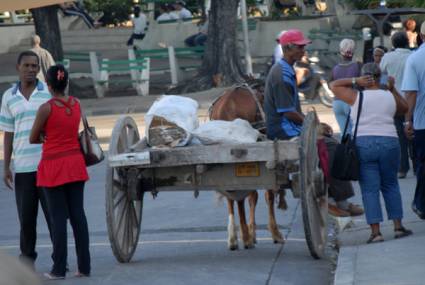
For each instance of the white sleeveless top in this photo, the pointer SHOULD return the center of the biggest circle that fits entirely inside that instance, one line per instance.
(377, 116)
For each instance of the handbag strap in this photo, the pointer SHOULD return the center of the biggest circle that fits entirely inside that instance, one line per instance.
(359, 110)
(83, 115)
(357, 119)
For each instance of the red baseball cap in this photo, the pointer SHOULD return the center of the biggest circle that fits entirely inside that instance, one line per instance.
(294, 36)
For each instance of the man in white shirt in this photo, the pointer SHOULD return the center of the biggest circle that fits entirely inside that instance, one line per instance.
(163, 13)
(18, 109)
(393, 63)
(182, 11)
(278, 53)
(140, 26)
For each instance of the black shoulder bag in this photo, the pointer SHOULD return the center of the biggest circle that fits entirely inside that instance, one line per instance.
(345, 165)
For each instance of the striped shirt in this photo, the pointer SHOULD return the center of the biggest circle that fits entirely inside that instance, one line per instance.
(17, 116)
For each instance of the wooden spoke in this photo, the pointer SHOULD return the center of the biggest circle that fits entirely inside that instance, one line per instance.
(119, 200)
(123, 215)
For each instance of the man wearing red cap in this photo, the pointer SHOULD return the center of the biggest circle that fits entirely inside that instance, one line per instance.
(282, 105)
(284, 117)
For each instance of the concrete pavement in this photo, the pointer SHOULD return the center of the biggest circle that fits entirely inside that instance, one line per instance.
(392, 262)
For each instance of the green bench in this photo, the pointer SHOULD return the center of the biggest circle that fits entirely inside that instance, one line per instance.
(87, 56)
(138, 69)
(174, 55)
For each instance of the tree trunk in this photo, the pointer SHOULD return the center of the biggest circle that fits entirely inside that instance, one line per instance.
(221, 65)
(47, 27)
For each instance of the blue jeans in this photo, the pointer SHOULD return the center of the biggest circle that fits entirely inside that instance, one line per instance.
(379, 160)
(341, 111)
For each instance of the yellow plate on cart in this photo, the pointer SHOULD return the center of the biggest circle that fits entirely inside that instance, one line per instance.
(250, 169)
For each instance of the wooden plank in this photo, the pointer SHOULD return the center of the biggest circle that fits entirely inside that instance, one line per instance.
(268, 151)
(129, 159)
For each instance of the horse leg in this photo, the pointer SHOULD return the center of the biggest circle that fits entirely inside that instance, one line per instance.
(245, 236)
(273, 228)
(252, 199)
(232, 237)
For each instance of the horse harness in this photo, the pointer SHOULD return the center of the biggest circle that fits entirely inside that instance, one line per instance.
(258, 124)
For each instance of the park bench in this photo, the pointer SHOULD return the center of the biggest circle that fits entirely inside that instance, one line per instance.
(138, 69)
(174, 55)
(86, 57)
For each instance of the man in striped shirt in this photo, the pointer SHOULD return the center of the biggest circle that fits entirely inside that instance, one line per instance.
(18, 109)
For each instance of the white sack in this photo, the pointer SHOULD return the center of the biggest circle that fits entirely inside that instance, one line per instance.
(170, 121)
(226, 132)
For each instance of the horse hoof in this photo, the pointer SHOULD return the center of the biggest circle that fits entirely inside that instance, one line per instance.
(281, 241)
(234, 247)
(249, 246)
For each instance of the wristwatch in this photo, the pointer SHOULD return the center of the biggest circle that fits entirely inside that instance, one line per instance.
(407, 123)
(353, 82)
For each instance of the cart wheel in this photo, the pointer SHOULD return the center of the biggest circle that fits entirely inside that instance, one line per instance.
(123, 213)
(314, 198)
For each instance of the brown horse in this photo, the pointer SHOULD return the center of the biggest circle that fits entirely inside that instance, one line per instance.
(244, 103)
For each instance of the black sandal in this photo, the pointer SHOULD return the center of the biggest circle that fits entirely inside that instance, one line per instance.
(402, 232)
(375, 238)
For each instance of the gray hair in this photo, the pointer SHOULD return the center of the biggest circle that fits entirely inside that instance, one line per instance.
(371, 69)
(35, 40)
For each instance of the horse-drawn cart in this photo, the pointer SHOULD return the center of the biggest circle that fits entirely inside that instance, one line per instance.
(134, 168)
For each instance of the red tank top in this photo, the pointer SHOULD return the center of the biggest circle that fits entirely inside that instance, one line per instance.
(62, 161)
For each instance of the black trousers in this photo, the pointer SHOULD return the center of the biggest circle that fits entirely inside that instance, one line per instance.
(339, 190)
(27, 197)
(419, 199)
(68, 201)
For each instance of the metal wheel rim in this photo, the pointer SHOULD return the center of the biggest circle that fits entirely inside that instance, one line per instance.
(123, 215)
(314, 208)
(324, 97)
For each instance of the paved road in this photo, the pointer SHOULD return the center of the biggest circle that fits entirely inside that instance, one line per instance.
(183, 240)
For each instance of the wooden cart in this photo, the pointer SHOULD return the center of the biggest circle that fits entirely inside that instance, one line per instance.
(134, 168)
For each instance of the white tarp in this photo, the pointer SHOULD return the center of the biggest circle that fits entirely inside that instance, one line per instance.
(12, 5)
(226, 132)
(170, 121)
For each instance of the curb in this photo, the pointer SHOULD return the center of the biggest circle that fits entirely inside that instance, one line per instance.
(346, 267)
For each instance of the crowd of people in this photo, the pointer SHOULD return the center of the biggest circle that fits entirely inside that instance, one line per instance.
(388, 95)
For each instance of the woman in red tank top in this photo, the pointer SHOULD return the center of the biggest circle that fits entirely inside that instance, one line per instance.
(62, 172)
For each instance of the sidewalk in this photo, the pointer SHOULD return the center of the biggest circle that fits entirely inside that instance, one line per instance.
(400, 261)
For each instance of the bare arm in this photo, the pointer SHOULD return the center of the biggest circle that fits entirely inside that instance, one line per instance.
(401, 104)
(294, 117)
(408, 117)
(343, 89)
(7, 149)
(38, 126)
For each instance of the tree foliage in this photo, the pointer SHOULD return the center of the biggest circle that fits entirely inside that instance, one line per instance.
(114, 11)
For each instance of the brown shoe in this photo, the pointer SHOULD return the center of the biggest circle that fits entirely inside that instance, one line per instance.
(355, 210)
(337, 212)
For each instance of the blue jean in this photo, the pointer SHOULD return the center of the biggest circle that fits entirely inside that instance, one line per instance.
(379, 160)
(341, 111)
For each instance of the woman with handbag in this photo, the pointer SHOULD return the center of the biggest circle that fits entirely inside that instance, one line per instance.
(62, 172)
(377, 145)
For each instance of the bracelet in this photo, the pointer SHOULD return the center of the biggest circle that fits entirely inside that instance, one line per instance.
(353, 82)
(407, 123)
